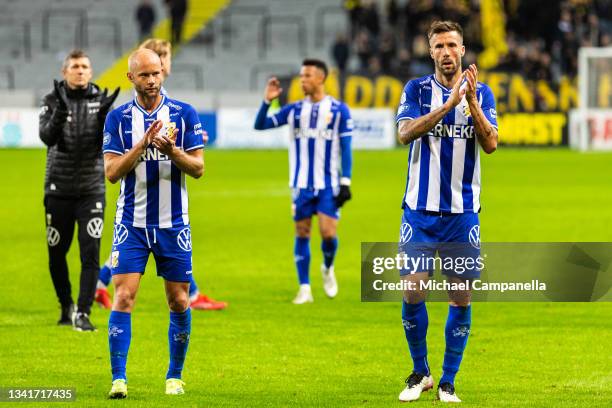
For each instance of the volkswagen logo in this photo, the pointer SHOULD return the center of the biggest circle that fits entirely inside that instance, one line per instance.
(184, 239)
(120, 234)
(474, 236)
(95, 227)
(405, 232)
(53, 236)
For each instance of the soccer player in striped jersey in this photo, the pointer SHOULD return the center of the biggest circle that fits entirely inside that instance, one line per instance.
(321, 132)
(445, 118)
(150, 144)
(197, 300)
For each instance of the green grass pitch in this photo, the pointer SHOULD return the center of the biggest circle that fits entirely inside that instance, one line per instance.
(264, 351)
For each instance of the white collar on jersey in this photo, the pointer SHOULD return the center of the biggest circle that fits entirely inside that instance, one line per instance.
(144, 111)
(445, 89)
(315, 103)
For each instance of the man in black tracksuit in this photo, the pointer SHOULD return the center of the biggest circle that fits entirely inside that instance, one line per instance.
(71, 125)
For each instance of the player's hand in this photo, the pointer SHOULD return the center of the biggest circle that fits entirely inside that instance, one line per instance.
(60, 94)
(471, 75)
(273, 89)
(107, 101)
(164, 143)
(457, 92)
(343, 196)
(151, 132)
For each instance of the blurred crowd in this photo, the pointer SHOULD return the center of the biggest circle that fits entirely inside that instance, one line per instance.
(543, 37)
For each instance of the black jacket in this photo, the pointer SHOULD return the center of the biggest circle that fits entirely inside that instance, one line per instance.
(75, 165)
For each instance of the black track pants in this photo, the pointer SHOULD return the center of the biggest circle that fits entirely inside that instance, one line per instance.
(61, 215)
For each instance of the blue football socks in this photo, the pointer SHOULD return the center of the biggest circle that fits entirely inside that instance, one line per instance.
(301, 254)
(415, 321)
(119, 336)
(329, 247)
(457, 332)
(104, 275)
(178, 338)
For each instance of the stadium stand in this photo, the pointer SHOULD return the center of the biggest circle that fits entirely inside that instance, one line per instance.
(391, 38)
(234, 45)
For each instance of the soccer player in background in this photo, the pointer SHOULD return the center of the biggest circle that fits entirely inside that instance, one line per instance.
(321, 129)
(198, 301)
(444, 117)
(150, 144)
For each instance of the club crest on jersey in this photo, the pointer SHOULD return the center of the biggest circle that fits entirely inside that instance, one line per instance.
(114, 259)
(466, 111)
(170, 126)
(328, 118)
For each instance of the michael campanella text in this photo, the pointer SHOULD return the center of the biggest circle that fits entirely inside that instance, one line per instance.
(474, 284)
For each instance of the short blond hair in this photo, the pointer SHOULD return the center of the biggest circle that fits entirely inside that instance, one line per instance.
(159, 46)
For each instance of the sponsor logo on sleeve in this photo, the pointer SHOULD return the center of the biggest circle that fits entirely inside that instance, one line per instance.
(402, 109)
(350, 124)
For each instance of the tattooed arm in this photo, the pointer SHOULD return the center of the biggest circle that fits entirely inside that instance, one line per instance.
(410, 130)
(485, 131)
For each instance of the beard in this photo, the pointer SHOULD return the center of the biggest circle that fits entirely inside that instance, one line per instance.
(449, 69)
(148, 92)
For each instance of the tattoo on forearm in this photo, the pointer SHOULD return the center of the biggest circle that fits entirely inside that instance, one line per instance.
(485, 132)
(420, 126)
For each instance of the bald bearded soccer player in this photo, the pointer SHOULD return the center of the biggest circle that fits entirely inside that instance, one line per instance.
(150, 144)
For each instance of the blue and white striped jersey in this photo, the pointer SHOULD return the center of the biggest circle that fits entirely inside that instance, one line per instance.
(444, 165)
(317, 132)
(154, 194)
